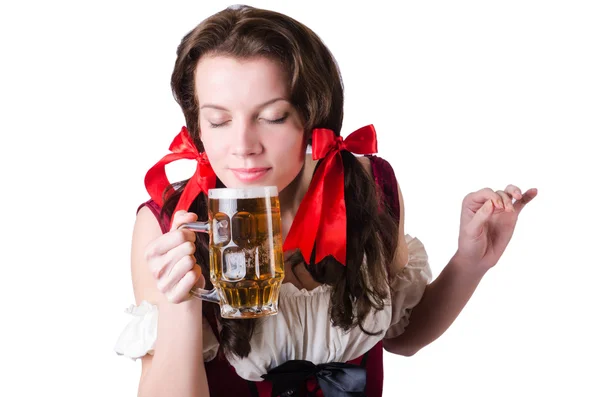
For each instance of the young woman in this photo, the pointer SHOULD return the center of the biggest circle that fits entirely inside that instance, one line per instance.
(257, 88)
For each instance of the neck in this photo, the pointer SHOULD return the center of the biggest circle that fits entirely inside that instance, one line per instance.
(291, 197)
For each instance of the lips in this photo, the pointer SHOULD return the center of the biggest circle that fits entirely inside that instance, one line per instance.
(250, 174)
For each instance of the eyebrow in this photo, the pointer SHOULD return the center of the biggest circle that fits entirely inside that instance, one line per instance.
(262, 105)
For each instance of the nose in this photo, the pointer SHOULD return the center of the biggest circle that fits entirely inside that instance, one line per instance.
(246, 141)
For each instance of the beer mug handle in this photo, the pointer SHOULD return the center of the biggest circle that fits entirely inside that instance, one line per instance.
(205, 295)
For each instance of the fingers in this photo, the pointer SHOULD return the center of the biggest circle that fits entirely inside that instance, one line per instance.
(476, 226)
(486, 202)
(181, 291)
(506, 201)
(157, 252)
(476, 199)
(181, 260)
(502, 199)
(513, 192)
(171, 260)
(182, 217)
(525, 199)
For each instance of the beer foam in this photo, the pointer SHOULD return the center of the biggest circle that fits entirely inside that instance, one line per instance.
(243, 192)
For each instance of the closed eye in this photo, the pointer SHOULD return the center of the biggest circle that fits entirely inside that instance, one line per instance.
(217, 125)
(278, 121)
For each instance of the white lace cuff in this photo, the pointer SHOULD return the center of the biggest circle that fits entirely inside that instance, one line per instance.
(139, 336)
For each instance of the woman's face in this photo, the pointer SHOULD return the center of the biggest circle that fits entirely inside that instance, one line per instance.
(252, 134)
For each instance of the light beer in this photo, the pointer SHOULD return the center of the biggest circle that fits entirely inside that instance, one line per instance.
(246, 258)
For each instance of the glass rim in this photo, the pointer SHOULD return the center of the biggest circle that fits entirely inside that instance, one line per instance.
(243, 192)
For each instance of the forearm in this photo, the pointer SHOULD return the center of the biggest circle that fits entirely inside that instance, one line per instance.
(177, 367)
(442, 302)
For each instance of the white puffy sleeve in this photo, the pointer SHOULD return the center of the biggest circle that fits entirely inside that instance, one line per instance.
(139, 336)
(408, 285)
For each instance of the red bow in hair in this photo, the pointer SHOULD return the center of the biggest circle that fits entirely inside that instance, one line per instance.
(321, 217)
(204, 177)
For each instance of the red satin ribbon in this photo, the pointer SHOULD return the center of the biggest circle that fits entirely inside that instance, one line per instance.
(321, 217)
(204, 178)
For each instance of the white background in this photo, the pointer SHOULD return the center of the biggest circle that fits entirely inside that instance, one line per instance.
(463, 94)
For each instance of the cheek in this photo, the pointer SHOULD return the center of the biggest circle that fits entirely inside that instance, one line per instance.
(289, 152)
(213, 146)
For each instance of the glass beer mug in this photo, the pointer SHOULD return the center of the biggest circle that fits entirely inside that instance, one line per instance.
(245, 251)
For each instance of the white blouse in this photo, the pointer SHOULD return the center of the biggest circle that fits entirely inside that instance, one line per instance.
(302, 329)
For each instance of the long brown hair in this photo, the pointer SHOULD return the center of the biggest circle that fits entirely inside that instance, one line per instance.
(317, 93)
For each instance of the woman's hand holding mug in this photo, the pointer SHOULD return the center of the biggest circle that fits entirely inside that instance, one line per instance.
(172, 262)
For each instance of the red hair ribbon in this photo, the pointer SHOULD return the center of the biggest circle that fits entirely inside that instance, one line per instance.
(204, 177)
(321, 217)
